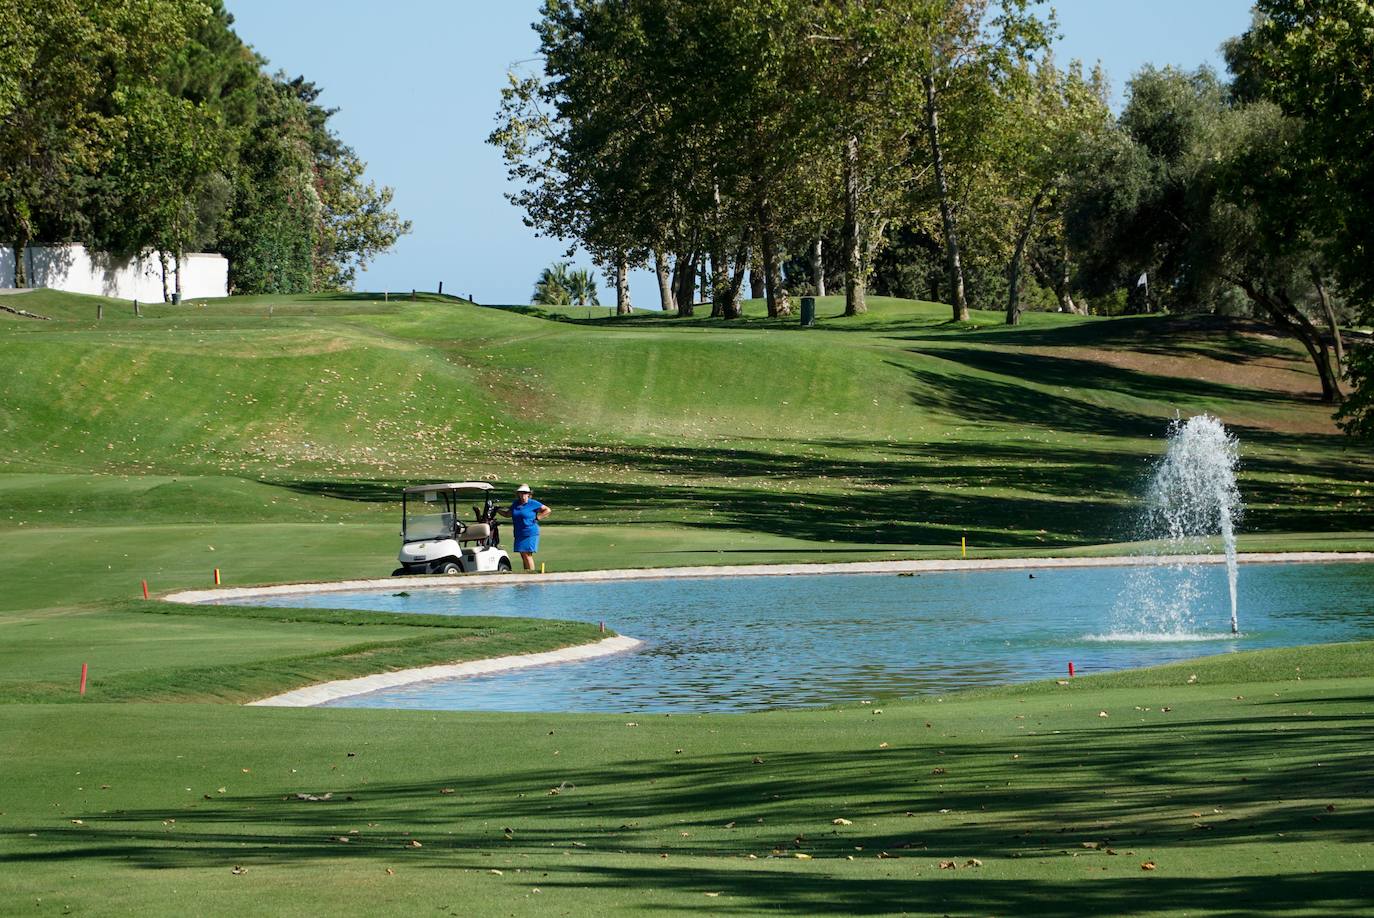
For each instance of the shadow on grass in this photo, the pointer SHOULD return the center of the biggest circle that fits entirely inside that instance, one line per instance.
(1003, 493)
(1077, 374)
(1253, 778)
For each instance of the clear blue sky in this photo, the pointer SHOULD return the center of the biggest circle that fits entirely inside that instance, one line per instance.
(416, 83)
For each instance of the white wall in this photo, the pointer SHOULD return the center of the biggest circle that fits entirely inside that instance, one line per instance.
(72, 268)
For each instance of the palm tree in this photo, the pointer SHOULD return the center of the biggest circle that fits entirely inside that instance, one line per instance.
(582, 288)
(553, 286)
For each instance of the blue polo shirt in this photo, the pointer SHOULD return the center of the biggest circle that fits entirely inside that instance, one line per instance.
(523, 518)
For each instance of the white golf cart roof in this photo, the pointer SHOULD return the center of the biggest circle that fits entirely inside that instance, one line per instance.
(451, 486)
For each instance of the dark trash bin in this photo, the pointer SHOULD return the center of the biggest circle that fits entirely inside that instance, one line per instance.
(808, 312)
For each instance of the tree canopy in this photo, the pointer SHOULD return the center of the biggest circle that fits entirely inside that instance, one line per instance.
(935, 147)
(151, 125)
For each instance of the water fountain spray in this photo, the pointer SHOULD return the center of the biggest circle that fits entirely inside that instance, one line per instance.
(1193, 493)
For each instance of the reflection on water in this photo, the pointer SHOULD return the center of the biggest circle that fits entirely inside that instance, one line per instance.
(750, 643)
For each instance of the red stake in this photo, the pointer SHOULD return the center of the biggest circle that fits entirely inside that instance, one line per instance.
(145, 589)
(1070, 669)
(83, 678)
(216, 576)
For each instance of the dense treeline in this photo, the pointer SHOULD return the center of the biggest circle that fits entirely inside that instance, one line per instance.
(935, 148)
(150, 125)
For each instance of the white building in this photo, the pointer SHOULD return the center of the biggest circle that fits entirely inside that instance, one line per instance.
(72, 268)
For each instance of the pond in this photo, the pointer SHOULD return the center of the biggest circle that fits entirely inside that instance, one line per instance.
(757, 642)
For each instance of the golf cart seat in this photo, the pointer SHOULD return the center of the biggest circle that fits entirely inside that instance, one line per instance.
(475, 532)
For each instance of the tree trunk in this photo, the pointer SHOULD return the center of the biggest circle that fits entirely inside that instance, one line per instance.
(1058, 282)
(818, 266)
(162, 260)
(854, 301)
(1280, 308)
(1014, 270)
(1331, 324)
(955, 265)
(686, 272)
(665, 283)
(733, 307)
(622, 286)
(720, 283)
(772, 268)
(1061, 289)
(177, 258)
(21, 276)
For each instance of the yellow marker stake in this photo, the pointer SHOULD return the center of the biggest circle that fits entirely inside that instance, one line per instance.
(541, 567)
(963, 546)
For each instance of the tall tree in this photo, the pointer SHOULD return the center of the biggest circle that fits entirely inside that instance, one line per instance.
(967, 48)
(64, 66)
(1315, 59)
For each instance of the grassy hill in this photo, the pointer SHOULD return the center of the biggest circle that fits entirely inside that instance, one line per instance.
(312, 409)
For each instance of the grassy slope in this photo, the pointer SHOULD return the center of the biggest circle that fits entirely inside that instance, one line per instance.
(270, 445)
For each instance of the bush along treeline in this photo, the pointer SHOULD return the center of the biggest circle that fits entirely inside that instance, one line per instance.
(935, 148)
(150, 125)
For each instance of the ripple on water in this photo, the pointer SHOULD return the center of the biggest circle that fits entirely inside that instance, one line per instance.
(754, 642)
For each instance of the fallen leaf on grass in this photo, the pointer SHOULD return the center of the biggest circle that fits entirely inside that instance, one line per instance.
(446, 790)
(882, 745)
(1148, 865)
(713, 895)
(414, 843)
(841, 822)
(494, 872)
(937, 771)
(390, 872)
(239, 871)
(949, 865)
(801, 855)
(315, 798)
(1102, 714)
(730, 824)
(758, 760)
(1090, 845)
(1331, 807)
(973, 862)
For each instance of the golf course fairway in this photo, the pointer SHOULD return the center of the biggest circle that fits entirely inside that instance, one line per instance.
(268, 438)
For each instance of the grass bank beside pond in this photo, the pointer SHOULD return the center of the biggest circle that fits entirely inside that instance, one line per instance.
(1165, 796)
(165, 652)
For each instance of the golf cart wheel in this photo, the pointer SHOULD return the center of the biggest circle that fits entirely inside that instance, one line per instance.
(399, 572)
(450, 567)
(503, 566)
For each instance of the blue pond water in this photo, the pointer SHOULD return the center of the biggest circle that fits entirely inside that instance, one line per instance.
(750, 643)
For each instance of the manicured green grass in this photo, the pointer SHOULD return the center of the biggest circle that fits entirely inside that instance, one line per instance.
(153, 651)
(1243, 805)
(268, 437)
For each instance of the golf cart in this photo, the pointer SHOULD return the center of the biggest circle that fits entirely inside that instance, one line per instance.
(434, 540)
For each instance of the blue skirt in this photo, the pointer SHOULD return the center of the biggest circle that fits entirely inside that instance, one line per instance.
(527, 541)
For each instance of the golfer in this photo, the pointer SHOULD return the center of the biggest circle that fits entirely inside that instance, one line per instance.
(526, 513)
